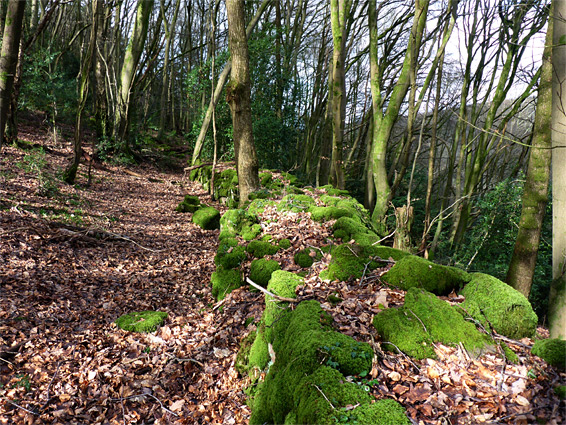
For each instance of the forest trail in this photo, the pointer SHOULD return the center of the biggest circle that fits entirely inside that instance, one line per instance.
(64, 361)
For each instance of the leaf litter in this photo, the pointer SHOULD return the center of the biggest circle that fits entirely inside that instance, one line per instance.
(72, 263)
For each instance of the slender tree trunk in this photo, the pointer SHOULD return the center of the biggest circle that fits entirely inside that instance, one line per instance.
(100, 71)
(128, 72)
(557, 307)
(9, 57)
(238, 96)
(535, 195)
(222, 78)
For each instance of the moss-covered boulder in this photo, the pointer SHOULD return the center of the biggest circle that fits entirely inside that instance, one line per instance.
(230, 257)
(262, 269)
(332, 191)
(350, 260)
(328, 213)
(240, 222)
(416, 272)
(284, 243)
(141, 321)
(560, 391)
(284, 284)
(225, 281)
(260, 249)
(306, 257)
(295, 203)
(226, 187)
(552, 351)
(311, 360)
(190, 204)
(265, 178)
(207, 217)
(494, 303)
(202, 175)
(257, 206)
(423, 320)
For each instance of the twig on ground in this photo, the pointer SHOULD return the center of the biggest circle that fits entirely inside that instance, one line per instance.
(49, 386)
(271, 294)
(21, 407)
(384, 238)
(324, 395)
(404, 355)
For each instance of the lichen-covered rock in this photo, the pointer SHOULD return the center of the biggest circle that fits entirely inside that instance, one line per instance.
(260, 249)
(494, 303)
(190, 204)
(225, 281)
(262, 269)
(423, 320)
(207, 217)
(350, 260)
(142, 321)
(416, 272)
(552, 351)
(295, 203)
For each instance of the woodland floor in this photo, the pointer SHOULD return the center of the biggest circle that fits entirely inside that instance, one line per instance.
(74, 259)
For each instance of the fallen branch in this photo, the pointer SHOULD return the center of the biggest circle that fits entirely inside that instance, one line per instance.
(271, 294)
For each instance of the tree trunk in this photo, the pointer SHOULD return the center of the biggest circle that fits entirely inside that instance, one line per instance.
(535, 195)
(84, 77)
(128, 72)
(9, 57)
(100, 94)
(238, 96)
(557, 307)
(404, 217)
(219, 86)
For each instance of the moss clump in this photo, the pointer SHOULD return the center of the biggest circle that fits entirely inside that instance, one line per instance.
(295, 190)
(190, 204)
(284, 243)
(265, 178)
(240, 222)
(261, 270)
(230, 258)
(309, 354)
(242, 358)
(560, 391)
(207, 217)
(225, 187)
(295, 203)
(382, 412)
(423, 320)
(416, 272)
(142, 321)
(257, 206)
(225, 281)
(306, 257)
(260, 249)
(201, 175)
(293, 180)
(332, 191)
(284, 284)
(350, 260)
(552, 351)
(494, 303)
(328, 213)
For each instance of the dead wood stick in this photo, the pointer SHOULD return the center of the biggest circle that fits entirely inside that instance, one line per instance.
(386, 237)
(133, 173)
(271, 294)
(194, 167)
(21, 407)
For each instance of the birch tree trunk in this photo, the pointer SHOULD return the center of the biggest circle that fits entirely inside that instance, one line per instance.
(9, 57)
(238, 96)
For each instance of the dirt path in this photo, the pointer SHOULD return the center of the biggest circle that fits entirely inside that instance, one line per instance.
(62, 288)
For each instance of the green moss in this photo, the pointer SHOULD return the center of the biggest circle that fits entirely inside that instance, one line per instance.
(494, 303)
(143, 321)
(293, 180)
(416, 272)
(553, 351)
(240, 222)
(295, 190)
(225, 281)
(260, 249)
(242, 358)
(560, 391)
(330, 201)
(261, 270)
(284, 243)
(423, 320)
(295, 203)
(226, 234)
(349, 262)
(382, 412)
(250, 232)
(207, 217)
(303, 258)
(257, 206)
(190, 204)
(509, 354)
(265, 178)
(230, 258)
(328, 213)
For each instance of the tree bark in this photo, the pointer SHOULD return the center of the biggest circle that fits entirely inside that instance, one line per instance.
(9, 57)
(128, 72)
(535, 195)
(238, 96)
(557, 305)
